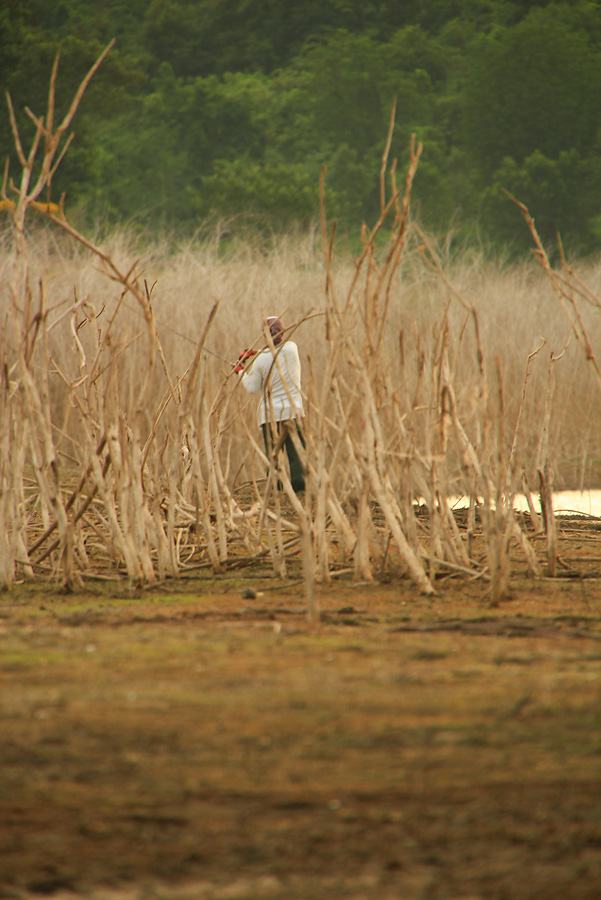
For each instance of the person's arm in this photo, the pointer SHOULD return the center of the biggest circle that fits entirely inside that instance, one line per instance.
(253, 379)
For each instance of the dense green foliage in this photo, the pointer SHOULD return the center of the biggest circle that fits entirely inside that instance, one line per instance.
(230, 107)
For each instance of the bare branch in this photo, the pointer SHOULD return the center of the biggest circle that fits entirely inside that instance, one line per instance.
(385, 157)
(81, 90)
(51, 96)
(15, 131)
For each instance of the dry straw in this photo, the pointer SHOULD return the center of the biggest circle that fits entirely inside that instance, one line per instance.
(125, 457)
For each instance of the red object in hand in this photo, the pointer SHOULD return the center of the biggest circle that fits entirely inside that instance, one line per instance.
(244, 357)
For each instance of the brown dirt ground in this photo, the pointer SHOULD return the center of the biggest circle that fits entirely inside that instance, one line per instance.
(191, 742)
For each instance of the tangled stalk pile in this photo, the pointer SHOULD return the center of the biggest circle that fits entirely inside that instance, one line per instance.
(153, 486)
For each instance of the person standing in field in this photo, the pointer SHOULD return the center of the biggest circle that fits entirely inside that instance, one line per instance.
(276, 375)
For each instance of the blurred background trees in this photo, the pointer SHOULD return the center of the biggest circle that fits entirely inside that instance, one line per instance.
(223, 108)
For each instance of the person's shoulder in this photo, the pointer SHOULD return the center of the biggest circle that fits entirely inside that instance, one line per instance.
(264, 358)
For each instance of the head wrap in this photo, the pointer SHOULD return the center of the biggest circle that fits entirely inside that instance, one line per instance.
(276, 329)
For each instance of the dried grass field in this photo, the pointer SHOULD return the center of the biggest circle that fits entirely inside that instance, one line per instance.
(214, 687)
(193, 705)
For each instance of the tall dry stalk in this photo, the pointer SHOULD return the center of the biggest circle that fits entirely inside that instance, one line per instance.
(567, 288)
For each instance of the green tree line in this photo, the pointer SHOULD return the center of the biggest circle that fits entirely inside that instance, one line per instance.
(226, 107)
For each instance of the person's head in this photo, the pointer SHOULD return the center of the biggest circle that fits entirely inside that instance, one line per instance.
(276, 329)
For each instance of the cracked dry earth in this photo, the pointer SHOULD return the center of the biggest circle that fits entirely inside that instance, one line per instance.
(190, 742)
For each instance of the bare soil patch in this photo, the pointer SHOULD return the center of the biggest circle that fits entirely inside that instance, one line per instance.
(192, 741)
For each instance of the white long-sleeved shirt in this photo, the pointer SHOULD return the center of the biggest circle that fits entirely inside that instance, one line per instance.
(279, 380)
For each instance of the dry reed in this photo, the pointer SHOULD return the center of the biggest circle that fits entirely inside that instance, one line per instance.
(129, 450)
